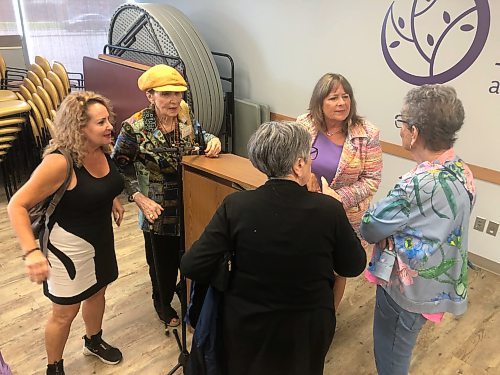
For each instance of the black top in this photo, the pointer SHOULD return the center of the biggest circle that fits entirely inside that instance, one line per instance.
(287, 243)
(91, 200)
(81, 248)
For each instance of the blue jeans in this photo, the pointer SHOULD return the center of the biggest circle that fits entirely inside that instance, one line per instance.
(395, 333)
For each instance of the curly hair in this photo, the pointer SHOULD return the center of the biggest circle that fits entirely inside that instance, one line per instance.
(325, 85)
(436, 112)
(70, 119)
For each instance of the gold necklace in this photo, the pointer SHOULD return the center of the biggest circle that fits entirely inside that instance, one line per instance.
(333, 133)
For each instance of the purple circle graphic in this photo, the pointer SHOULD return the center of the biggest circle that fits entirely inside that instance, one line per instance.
(482, 28)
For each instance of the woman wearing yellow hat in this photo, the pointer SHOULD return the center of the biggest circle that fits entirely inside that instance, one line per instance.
(151, 175)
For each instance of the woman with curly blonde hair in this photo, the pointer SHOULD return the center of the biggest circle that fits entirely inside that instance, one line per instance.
(79, 261)
(70, 119)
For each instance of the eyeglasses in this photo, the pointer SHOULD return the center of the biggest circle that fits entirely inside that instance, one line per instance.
(399, 119)
(314, 153)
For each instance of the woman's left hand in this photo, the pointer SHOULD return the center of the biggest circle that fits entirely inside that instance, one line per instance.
(326, 189)
(118, 211)
(213, 148)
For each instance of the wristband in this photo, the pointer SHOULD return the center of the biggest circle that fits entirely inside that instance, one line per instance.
(25, 255)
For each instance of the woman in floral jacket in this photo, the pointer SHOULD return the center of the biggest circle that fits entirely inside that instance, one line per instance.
(151, 178)
(421, 229)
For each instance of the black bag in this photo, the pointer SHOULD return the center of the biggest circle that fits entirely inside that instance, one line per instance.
(40, 213)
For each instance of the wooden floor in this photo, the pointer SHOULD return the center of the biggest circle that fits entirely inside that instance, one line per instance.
(467, 345)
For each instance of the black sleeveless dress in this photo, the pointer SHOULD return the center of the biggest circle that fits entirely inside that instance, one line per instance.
(81, 249)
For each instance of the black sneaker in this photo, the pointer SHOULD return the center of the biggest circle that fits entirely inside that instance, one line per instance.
(101, 349)
(55, 368)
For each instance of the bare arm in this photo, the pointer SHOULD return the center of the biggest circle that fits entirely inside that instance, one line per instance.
(118, 211)
(44, 181)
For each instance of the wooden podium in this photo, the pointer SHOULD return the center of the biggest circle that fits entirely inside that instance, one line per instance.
(206, 181)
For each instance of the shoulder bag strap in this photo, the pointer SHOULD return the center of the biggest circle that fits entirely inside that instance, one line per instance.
(57, 196)
(62, 189)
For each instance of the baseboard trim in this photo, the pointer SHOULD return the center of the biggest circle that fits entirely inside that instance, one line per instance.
(485, 264)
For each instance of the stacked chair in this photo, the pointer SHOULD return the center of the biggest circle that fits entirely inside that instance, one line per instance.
(9, 74)
(28, 104)
(15, 74)
(14, 114)
(70, 80)
(15, 149)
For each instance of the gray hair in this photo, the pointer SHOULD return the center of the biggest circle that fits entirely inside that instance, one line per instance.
(275, 147)
(436, 112)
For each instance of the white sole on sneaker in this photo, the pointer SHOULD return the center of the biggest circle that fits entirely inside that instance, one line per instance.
(86, 351)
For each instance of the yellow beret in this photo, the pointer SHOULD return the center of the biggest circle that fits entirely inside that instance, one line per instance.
(162, 78)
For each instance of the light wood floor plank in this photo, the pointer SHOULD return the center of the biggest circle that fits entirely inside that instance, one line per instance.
(466, 345)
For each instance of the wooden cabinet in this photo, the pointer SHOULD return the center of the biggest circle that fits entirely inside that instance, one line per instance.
(206, 182)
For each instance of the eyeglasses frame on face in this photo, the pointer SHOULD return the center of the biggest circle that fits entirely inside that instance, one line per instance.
(314, 153)
(398, 119)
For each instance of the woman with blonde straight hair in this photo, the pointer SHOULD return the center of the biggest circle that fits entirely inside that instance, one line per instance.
(79, 261)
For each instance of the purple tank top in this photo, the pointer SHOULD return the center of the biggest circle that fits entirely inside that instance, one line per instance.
(327, 160)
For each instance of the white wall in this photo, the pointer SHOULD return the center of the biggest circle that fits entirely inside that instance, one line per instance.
(281, 48)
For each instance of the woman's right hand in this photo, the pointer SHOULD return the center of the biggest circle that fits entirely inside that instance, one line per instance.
(37, 267)
(149, 207)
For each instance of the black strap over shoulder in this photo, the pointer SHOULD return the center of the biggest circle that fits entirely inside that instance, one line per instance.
(56, 198)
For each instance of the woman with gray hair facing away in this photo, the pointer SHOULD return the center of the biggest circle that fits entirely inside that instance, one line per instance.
(421, 229)
(277, 311)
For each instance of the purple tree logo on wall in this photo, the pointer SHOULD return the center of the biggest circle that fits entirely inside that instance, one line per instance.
(426, 41)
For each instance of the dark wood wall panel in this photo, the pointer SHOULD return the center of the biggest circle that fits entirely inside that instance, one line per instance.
(117, 82)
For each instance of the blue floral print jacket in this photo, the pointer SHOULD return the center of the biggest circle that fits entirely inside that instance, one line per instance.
(427, 214)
